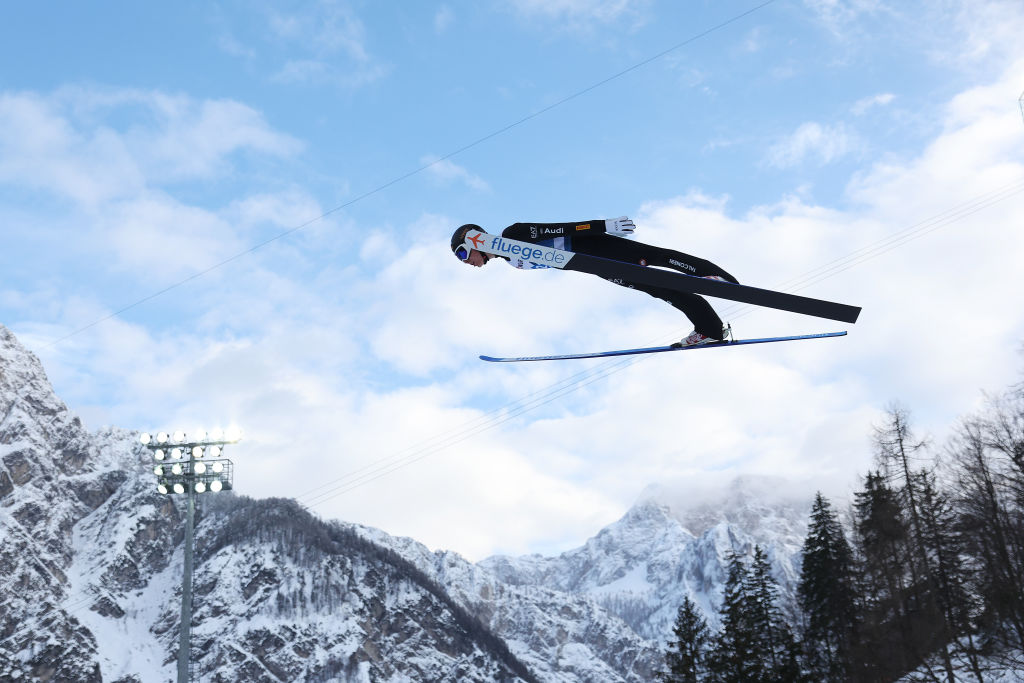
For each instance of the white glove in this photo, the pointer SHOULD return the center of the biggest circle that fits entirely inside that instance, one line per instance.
(620, 227)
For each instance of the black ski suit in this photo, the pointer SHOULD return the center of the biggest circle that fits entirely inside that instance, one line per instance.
(590, 237)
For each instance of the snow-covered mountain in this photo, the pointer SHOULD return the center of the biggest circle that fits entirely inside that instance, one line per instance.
(91, 562)
(644, 565)
(614, 600)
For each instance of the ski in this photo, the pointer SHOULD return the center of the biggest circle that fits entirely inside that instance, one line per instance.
(549, 257)
(661, 349)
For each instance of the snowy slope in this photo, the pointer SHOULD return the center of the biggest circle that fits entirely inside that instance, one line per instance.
(91, 557)
(605, 610)
(562, 636)
(52, 474)
(90, 571)
(91, 563)
(643, 566)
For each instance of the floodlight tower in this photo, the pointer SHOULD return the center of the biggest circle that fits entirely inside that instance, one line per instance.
(190, 464)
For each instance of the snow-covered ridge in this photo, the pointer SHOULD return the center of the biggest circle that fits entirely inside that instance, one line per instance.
(90, 570)
(644, 565)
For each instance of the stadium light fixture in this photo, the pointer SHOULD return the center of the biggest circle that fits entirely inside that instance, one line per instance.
(198, 468)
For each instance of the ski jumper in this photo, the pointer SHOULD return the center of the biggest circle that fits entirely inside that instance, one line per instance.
(590, 237)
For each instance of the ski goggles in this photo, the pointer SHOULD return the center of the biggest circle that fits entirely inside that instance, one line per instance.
(462, 251)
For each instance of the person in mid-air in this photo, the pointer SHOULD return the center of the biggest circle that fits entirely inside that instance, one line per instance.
(606, 239)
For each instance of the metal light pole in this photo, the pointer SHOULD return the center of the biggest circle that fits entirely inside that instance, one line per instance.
(190, 464)
(185, 630)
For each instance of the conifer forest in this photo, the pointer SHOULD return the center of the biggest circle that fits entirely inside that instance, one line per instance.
(919, 578)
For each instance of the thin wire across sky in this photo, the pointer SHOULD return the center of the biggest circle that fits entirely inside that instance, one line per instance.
(495, 418)
(405, 176)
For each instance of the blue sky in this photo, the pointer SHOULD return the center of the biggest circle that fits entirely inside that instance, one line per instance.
(152, 147)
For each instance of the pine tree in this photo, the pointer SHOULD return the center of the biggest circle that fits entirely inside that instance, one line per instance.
(773, 647)
(686, 653)
(827, 596)
(881, 539)
(731, 660)
(755, 644)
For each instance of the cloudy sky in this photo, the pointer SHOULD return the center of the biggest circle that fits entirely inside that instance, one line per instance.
(238, 213)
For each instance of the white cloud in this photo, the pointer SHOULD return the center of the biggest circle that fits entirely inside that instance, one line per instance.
(965, 34)
(63, 143)
(308, 370)
(841, 16)
(325, 72)
(195, 137)
(754, 40)
(865, 103)
(232, 46)
(41, 149)
(322, 43)
(367, 363)
(689, 75)
(581, 14)
(279, 211)
(445, 171)
(154, 228)
(443, 19)
(320, 32)
(801, 411)
(327, 26)
(985, 33)
(813, 141)
(107, 181)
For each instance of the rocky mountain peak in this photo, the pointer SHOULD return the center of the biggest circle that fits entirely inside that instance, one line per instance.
(752, 503)
(18, 366)
(91, 560)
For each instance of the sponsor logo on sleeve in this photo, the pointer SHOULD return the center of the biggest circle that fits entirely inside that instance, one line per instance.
(582, 226)
(684, 266)
(538, 256)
